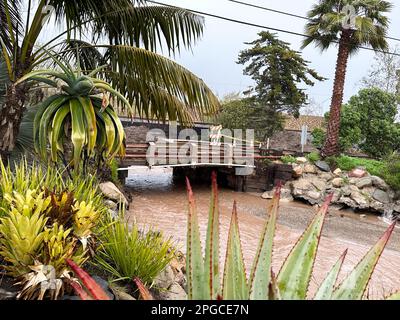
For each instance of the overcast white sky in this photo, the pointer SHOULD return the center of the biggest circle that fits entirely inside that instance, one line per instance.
(213, 58)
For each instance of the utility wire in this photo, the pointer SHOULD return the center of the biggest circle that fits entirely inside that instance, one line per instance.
(287, 14)
(262, 26)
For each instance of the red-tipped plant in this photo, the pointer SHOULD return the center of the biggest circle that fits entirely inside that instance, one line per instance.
(94, 291)
(292, 281)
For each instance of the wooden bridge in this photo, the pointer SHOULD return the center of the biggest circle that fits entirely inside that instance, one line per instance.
(180, 153)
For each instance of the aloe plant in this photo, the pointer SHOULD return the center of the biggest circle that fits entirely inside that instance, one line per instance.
(292, 280)
(81, 105)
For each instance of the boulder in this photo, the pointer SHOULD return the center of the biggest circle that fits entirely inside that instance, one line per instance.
(309, 168)
(338, 182)
(111, 191)
(337, 172)
(347, 202)
(323, 166)
(165, 279)
(358, 173)
(302, 184)
(175, 292)
(327, 176)
(360, 199)
(104, 285)
(379, 183)
(364, 182)
(286, 194)
(121, 295)
(381, 196)
(377, 206)
(353, 180)
(268, 194)
(313, 196)
(319, 184)
(297, 171)
(301, 160)
(346, 191)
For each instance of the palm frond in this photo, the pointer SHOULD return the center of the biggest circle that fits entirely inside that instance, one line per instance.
(10, 22)
(89, 56)
(326, 24)
(138, 74)
(149, 26)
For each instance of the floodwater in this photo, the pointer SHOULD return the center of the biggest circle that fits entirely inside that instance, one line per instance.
(160, 204)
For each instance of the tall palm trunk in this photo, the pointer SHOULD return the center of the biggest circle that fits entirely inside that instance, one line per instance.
(10, 118)
(331, 146)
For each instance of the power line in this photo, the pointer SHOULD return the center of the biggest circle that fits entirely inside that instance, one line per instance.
(287, 13)
(261, 26)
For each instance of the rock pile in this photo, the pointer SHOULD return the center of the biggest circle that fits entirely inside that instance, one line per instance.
(356, 189)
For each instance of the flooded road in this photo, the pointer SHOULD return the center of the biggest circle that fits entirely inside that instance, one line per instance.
(159, 204)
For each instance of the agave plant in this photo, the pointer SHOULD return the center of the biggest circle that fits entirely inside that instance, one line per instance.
(82, 106)
(291, 282)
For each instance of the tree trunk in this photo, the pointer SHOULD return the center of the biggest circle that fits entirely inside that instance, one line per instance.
(10, 118)
(331, 146)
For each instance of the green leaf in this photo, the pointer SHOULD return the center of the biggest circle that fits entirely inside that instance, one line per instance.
(57, 125)
(194, 258)
(211, 262)
(355, 284)
(326, 288)
(91, 123)
(235, 285)
(78, 135)
(43, 121)
(109, 130)
(295, 274)
(260, 276)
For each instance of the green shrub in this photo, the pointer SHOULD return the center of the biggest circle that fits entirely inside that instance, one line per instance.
(114, 171)
(45, 219)
(318, 137)
(347, 163)
(125, 254)
(391, 172)
(313, 157)
(23, 177)
(288, 159)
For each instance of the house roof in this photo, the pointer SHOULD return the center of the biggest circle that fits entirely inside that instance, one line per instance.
(311, 122)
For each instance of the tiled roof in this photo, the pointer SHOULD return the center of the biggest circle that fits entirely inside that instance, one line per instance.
(312, 122)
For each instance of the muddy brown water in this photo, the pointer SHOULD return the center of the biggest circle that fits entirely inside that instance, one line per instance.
(160, 204)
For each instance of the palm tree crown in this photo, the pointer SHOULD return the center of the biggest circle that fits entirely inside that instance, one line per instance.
(327, 19)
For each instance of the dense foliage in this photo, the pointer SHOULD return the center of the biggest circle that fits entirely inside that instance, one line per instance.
(128, 252)
(248, 113)
(368, 124)
(278, 71)
(45, 219)
(80, 114)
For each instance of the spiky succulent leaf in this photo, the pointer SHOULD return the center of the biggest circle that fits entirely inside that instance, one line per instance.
(194, 257)
(355, 284)
(235, 285)
(295, 273)
(211, 261)
(326, 288)
(261, 270)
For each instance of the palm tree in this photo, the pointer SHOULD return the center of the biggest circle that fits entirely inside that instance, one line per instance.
(350, 24)
(125, 35)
